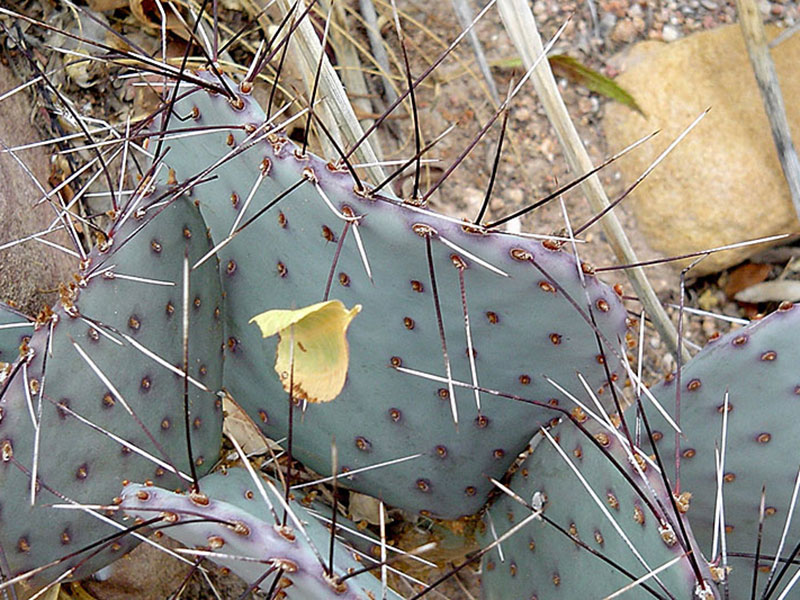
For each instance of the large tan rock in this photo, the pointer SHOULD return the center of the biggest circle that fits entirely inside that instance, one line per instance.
(723, 183)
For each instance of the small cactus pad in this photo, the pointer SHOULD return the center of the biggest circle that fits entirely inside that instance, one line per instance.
(758, 367)
(539, 561)
(237, 523)
(85, 374)
(413, 271)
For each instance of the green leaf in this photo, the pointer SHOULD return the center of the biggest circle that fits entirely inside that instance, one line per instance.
(576, 72)
(313, 344)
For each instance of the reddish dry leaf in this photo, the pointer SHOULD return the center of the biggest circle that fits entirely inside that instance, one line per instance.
(149, 14)
(744, 276)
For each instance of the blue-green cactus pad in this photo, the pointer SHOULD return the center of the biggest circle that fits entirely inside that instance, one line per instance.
(540, 562)
(238, 523)
(758, 367)
(522, 324)
(78, 462)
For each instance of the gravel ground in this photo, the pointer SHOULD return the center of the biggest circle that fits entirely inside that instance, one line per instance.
(533, 166)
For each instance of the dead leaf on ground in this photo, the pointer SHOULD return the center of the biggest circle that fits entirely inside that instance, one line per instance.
(148, 14)
(239, 425)
(107, 5)
(745, 276)
(365, 508)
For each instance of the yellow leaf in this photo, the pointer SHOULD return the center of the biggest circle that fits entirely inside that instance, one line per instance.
(320, 353)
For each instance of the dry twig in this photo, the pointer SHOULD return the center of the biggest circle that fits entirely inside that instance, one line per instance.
(764, 69)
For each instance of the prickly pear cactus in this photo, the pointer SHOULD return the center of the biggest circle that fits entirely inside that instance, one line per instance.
(14, 328)
(603, 524)
(97, 396)
(757, 367)
(503, 306)
(232, 519)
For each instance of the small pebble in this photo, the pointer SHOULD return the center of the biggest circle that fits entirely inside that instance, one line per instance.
(670, 33)
(624, 32)
(709, 327)
(607, 22)
(515, 196)
(587, 105)
(473, 198)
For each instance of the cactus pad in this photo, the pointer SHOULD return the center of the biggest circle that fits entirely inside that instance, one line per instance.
(84, 375)
(237, 523)
(757, 367)
(539, 561)
(413, 271)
